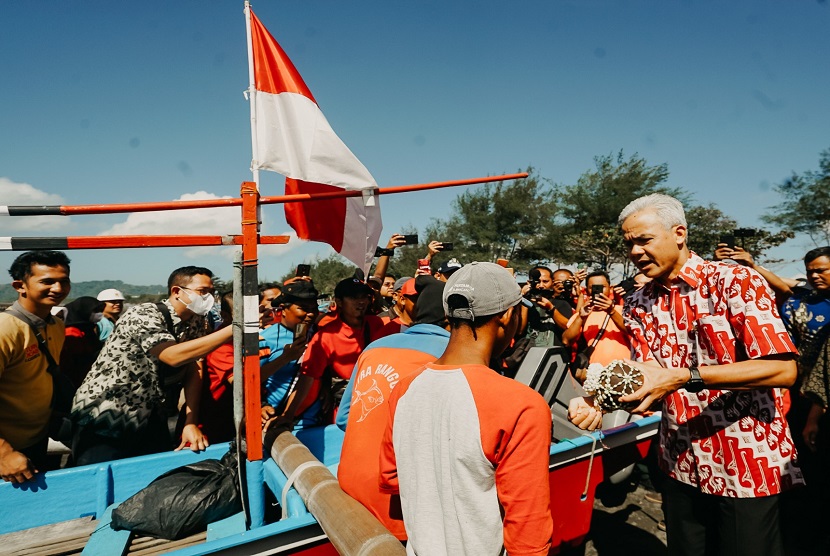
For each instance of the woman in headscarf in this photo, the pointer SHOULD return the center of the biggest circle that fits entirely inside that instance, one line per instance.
(82, 344)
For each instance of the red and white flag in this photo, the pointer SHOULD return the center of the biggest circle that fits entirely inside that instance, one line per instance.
(292, 137)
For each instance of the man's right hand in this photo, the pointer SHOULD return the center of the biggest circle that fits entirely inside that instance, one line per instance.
(583, 306)
(583, 414)
(295, 349)
(434, 248)
(737, 254)
(544, 303)
(396, 240)
(14, 466)
(266, 414)
(742, 257)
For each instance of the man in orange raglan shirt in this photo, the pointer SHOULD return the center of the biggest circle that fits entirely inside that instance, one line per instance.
(363, 409)
(466, 448)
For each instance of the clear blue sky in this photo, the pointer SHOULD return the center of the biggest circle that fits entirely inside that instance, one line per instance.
(108, 102)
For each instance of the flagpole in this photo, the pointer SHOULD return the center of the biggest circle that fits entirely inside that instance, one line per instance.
(252, 94)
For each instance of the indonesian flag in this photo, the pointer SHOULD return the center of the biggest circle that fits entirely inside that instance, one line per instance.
(293, 138)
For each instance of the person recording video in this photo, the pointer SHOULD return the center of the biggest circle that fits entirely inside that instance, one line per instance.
(548, 318)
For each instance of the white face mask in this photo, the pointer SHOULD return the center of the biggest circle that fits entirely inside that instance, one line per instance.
(200, 304)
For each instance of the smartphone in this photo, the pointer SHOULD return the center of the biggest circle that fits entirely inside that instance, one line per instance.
(729, 240)
(303, 270)
(502, 262)
(423, 266)
(596, 290)
(628, 285)
(300, 331)
(410, 239)
(446, 246)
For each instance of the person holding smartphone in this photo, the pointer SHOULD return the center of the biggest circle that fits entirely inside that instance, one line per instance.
(281, 346)
(598, 314)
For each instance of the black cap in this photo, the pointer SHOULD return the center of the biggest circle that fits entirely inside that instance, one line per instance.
(449, 267)
(296, 292)
(429, 308)
(351, 287)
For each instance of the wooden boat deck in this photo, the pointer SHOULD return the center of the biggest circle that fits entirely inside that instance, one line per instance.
(68, 538)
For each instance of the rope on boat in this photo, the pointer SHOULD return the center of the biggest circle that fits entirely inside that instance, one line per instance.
(291, 478)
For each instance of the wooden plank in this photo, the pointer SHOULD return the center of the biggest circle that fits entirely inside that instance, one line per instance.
(62, 548)
(150, 549)
(14, 543)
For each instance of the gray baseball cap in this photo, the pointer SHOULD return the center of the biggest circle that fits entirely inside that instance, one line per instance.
(400, 282)
(488, 288)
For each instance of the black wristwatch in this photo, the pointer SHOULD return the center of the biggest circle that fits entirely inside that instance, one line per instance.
(695, 384)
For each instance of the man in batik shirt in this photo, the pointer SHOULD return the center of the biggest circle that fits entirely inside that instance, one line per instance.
(715, 352)
(807, 316)
(119, 408)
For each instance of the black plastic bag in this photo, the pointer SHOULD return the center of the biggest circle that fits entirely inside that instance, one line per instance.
(183, 501)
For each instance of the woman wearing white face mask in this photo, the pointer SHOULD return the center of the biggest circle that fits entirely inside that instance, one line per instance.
(123, 405)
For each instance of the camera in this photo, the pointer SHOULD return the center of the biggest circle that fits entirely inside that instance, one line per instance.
(628, 285)
(739, 233)
(535, 293)
(568, 287)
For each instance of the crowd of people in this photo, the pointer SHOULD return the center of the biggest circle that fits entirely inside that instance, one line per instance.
(441, 444)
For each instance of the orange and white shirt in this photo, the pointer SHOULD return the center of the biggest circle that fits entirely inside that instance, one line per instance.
(464, 444)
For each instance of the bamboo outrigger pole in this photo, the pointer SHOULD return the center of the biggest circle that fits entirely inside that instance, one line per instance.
(69, 210)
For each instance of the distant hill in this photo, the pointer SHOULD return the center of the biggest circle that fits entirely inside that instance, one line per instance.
(80, 289)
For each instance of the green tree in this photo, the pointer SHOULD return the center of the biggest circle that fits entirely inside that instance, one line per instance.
(707, 224)
(806, 205)
(586, 230)
(508, 220)
(327, 272)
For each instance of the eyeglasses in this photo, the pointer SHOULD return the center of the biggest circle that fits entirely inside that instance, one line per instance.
(201, 291)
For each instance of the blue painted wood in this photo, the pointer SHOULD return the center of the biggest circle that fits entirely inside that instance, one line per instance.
(275, 479)
(232, 525)
(86, 491)
(271, 530)
(324, 442)
(71, 493)
(256, 494)
(106, 541)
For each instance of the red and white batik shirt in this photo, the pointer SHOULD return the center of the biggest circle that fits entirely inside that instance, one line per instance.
(724, 442)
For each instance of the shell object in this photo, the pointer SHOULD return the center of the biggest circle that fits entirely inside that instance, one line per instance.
(608, 384)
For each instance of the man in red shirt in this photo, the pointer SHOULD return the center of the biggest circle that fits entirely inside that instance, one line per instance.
(332, 353)
(713, 349)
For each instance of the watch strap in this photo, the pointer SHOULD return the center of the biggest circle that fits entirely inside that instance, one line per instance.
(695, 382)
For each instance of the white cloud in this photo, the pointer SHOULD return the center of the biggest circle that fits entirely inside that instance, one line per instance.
(206, 221)
(14, 193)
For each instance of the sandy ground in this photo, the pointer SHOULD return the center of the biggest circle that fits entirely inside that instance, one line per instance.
(625, 523)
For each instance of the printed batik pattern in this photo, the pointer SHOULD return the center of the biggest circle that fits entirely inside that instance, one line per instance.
(122, 388)
(725, 442)
(806, 315)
